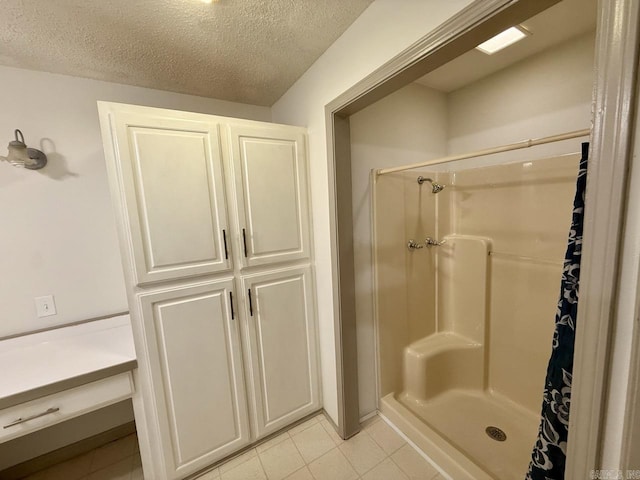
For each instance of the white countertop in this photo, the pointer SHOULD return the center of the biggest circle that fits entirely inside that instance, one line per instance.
(37, 362)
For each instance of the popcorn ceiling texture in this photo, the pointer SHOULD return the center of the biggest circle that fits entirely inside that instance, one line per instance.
(248, 51)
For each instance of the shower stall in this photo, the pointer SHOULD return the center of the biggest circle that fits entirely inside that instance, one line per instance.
(467, 267)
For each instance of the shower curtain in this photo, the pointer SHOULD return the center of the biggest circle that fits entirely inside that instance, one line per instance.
(549, 453)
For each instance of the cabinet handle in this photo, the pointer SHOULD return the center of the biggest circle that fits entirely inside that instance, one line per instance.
(250, 303)
(32, 417)
(224, 239)
(233, 316)
(244, 240)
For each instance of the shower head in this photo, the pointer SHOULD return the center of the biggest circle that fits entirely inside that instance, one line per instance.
(435, 186)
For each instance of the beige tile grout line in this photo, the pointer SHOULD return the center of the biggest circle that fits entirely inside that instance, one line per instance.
(255, 447)
(337, 447)
(264, 471)
(408, 441)
(363, 431)
(306, 465)
(360, 475)
(400, 467)
(416, 448)
(294, 446)
(317, 422)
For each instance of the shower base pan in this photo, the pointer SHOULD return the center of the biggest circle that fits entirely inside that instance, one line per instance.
(461, 431)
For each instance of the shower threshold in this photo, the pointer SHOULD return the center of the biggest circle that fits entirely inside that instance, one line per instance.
(452, 430)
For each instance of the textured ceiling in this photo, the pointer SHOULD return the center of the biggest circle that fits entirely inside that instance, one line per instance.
(248, 51)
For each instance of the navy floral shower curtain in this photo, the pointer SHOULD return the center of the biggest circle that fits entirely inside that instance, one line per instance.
(549, 453)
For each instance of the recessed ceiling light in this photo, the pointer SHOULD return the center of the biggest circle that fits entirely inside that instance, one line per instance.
(503, 40)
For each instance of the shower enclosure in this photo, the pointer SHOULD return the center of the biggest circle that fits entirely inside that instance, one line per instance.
(468, 264)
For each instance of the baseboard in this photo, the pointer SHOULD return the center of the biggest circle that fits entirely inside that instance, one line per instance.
(368, 416)
(29, 467)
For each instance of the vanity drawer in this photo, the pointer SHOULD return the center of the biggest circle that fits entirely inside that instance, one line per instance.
(55, 408)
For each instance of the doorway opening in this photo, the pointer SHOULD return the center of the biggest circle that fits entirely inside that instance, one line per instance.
(446, 48)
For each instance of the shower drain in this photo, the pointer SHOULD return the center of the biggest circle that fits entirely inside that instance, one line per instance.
(496, 434)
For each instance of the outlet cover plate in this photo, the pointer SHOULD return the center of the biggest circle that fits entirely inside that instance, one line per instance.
(45, 306)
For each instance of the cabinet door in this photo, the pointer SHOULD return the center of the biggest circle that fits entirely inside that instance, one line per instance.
(270, 170)
(169, 174)
(196, 372)
(282, 338)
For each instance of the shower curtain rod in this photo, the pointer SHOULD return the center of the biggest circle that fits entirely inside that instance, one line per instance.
(505, 148)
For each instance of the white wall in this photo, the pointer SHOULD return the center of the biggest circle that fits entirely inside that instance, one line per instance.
(408, 126)
(385, 29)
(545, 94)
(58, 233)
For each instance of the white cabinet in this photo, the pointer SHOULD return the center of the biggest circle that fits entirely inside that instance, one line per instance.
(170, 172)
(270, 169)
(213, 219)
(281, 332)
(196, 370)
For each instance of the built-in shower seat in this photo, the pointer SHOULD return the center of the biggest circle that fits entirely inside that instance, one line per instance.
(453, 356)
(441, 362)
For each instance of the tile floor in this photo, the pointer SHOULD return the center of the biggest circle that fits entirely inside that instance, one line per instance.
(309, 451)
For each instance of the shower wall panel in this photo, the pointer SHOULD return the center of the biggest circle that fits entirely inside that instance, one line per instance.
(405, 127)
(405, 299)
(420, 223)
(525, 210)
(391, 279)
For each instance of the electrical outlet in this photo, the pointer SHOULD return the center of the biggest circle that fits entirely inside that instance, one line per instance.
(45, 306)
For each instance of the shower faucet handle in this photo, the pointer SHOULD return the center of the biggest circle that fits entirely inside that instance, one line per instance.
(413, 245)
(432, 242)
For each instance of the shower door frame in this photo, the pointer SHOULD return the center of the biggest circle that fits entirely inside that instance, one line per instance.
(616, 54)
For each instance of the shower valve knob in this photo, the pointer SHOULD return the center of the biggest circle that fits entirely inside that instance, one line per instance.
(413, 245)
(432, 242)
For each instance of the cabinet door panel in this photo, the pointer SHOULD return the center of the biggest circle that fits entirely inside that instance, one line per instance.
(196, 368)
(171, 174)
(271, 180)
(282, 330)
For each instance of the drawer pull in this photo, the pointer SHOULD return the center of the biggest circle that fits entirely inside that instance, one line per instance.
(32, 417)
